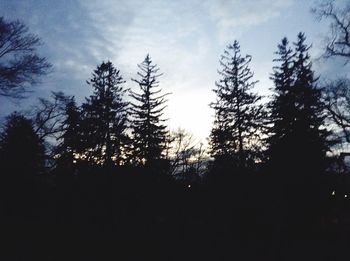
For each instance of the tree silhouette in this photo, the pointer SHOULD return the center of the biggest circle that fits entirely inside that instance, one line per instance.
(338, 40)
(297, 110)
(282, 107)
(238, 114)
(336, 96)
(149, 132)
(70, 140)
(22, 153)
(184, 153)
(20, 65)
(105, 117)
(299, 139)
(310, 110)
(48, 115)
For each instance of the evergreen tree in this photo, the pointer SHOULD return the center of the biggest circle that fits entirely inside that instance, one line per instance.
(70, 140)
(299, 138)
(310, 110)
(149, 131)
(22, 154)
(282, 107)
(238, 115)
(105, 117)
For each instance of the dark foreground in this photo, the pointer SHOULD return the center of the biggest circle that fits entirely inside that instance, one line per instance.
(134, 217)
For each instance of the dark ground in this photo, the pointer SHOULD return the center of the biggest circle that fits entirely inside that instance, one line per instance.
(131, 217)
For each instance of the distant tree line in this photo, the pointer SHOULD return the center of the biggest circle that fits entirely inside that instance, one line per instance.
(112, 129)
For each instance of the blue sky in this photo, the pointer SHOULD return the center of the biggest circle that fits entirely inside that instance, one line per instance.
(185, 38)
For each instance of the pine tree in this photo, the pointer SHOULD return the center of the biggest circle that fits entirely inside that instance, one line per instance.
(22, 154)
(70, 141)
(299, 138)
(238, 115)
(149, 131)
(105, 117)
(309, 120)
(282, 106)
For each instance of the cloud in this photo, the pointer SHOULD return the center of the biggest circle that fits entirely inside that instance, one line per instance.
(232, 18)
(185, 38)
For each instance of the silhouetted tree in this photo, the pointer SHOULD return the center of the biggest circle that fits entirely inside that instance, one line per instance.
(238, 114)
(185, 154)
(149, 132)
(300, 139)
(105, 117)
(181, 149)
(70, 140)
(310, 110)
(48, 116)
(282, 107)
(338, 40)
(336, 96)
(20, 65)
(22, 154)
(67, 159)
(298, 112)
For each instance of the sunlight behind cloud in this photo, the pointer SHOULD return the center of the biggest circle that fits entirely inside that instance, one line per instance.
(185, 39)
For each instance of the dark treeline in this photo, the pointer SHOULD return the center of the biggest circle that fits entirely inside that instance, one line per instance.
(106, 178)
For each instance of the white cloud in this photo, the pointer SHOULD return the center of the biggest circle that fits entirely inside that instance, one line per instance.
(185, 38)
(232, 18)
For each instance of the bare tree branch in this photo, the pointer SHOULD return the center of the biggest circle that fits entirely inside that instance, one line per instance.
(337, 101)
(20, 65)
(338, 41)
(48, 115)
(185, 154)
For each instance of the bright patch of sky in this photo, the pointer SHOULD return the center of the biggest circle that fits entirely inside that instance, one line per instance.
(185, 38)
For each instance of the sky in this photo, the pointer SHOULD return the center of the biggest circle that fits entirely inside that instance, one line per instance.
(185, 38)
